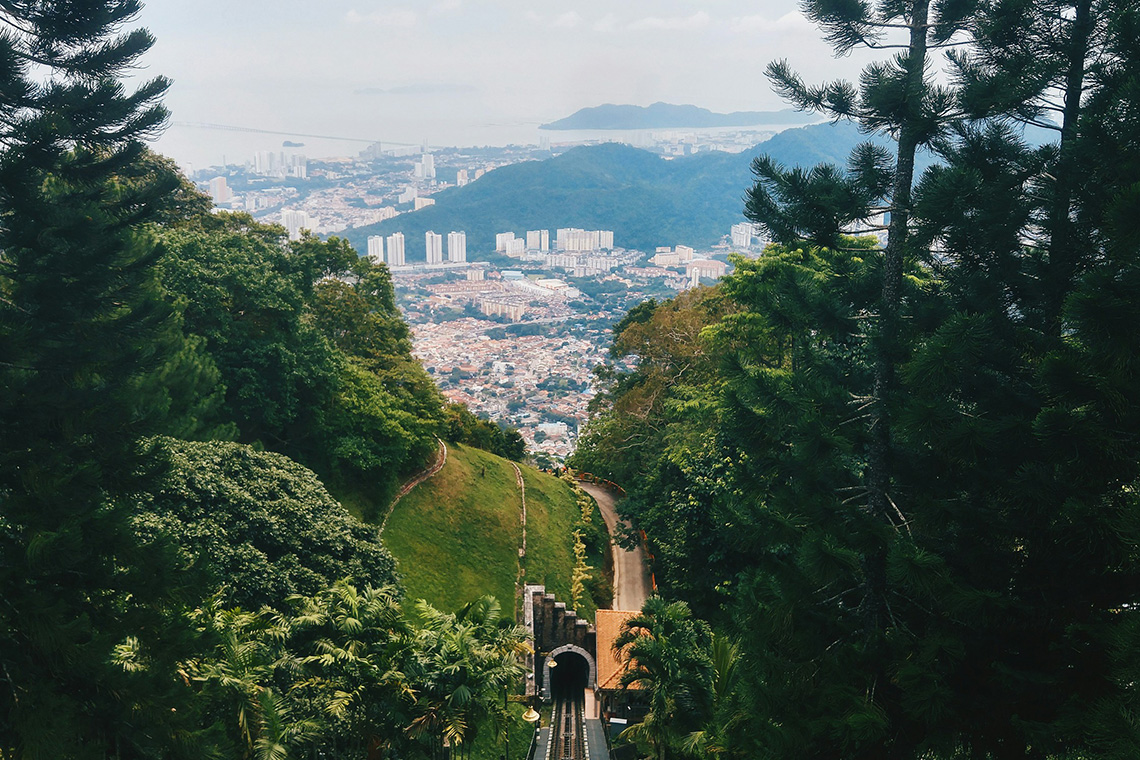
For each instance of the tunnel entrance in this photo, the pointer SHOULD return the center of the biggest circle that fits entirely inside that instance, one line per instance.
(570, 676)
(570, 667)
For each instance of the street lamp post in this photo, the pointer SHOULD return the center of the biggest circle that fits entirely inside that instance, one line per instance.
(532, 717)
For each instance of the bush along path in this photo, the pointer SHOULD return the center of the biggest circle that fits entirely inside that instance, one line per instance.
(433, 469)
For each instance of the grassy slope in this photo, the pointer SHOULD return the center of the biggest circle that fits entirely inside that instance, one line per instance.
(456, 536)
(552, 515)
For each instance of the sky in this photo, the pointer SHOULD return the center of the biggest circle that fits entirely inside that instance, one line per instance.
(455, 72)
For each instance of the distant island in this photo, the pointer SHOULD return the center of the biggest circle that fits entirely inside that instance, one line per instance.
(291, 144)
(667, 115)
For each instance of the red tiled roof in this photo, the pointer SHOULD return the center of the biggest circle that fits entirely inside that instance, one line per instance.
(607, 626)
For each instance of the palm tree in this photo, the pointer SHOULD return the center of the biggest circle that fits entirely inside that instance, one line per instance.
(233, 676)
(280, 729)
(464, 661)
(346, 648)
(717, 738)
(666, 655)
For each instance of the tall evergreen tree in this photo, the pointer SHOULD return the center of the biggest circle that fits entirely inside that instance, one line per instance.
(87, 625)
(986, 618)
(1022, 412)
(824, 394)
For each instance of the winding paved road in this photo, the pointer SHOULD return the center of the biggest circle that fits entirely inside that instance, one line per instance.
(632, 585)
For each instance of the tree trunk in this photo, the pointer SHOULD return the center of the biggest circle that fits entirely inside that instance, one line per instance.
(887, 340)
(1064, 262)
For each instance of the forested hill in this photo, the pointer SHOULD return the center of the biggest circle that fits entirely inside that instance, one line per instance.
(668, 115)
(645, 199)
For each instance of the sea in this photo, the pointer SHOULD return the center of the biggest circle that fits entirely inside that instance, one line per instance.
(198, 146)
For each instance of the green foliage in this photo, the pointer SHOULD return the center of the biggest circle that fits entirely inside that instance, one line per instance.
(652, 430)
(464, 427)
(260, 526)
(666, 655)
(89, 633)
(314, 357)
(920, 463)
(347, 671)
(464, 662)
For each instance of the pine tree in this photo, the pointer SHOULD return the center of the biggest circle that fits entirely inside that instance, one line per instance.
(819, 392)
(1022, 413)
(88, 623)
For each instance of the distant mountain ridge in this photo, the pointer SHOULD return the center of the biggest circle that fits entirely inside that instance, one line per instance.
(645, 199)
(667, 116)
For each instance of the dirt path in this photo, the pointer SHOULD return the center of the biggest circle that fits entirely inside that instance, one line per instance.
(632, 585)
(522, 546)
(435, 467)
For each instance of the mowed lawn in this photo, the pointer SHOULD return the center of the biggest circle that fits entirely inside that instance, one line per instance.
(455, 537)
(551, 517)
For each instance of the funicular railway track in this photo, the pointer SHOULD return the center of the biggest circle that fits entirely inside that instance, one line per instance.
(568, 730)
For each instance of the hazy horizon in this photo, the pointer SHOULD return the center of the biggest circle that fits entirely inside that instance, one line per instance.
(455, 72)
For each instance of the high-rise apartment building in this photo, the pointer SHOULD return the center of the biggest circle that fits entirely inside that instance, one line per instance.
(685, 253)
(705, 268)
(396, 249)
(220, 190)
(296, 221)
(502, 240)
(434, 245)
(461, 178)
(457, 246)
(544, 244)
(280, 164)
(534, 240)
(742, 235)
(574, 239)
(376, 248)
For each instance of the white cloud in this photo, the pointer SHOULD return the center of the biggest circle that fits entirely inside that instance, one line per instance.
(397, 18)
(567, 20)
(606, 24)
(757, 24)
(672, 23)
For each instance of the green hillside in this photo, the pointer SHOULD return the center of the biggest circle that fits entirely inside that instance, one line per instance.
(552, 517)
(457, 535)
(645, 199)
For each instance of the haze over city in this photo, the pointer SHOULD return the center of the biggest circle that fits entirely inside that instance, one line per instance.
(455, 72)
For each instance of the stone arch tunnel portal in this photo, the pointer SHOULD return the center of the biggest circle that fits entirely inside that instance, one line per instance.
(570, 676)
